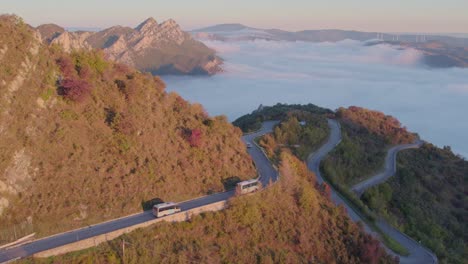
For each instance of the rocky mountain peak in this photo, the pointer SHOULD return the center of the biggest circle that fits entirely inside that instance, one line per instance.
(149, 46)
(146, 25)
(148, 34)
(170, 23)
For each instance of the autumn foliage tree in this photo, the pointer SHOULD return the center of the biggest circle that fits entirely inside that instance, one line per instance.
(195, 137)
(370, 250)
(66, 65)
(326, 190)
(74, 89)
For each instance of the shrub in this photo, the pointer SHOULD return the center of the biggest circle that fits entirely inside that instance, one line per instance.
(74, 89)
(195, 137)
(94, 60)
(84, 71)
(66, 66)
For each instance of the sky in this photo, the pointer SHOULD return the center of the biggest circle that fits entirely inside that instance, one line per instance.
(429, 101)
(423, 16)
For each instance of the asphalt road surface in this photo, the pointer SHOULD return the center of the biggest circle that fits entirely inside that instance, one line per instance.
(418, 254)
(389, 169)
(264, 169)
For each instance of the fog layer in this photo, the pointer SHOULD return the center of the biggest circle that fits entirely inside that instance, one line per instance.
(431, 102)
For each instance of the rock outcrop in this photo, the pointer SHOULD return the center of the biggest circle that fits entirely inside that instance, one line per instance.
(157, 48)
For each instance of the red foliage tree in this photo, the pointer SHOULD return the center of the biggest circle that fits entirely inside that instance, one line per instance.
(84, 72)
(66, 65)
(74, 89)
(326, 190)
(371, 252)
(195, 137)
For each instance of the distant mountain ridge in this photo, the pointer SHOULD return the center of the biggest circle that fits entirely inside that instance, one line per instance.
(439, 51)
(157, 48)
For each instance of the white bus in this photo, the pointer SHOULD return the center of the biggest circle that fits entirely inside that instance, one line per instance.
(248, 186)
(163, 209)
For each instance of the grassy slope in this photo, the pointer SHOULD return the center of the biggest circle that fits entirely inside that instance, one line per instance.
(303, 226)
(71, 164)
(427, 200)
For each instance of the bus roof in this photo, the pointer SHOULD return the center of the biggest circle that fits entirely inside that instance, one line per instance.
(247, 182)
(164, 205)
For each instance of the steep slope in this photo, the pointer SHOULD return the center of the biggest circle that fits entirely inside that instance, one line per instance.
(157, 48)
(85, 139)
(293, 221)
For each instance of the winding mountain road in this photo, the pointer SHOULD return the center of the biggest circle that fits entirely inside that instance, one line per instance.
(264, 168)
(418, 254)
(389, 169)
(267, 175)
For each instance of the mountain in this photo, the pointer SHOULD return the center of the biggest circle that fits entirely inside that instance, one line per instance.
(438, 51)
(151, 47)
(50, 31)
(85, 139)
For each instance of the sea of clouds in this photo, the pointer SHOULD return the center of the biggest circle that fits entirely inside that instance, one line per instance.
(431, 102)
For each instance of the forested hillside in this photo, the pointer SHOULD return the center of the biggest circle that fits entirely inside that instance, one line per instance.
(366, 136)
(293, 221)
(427, 199)
(85, 139)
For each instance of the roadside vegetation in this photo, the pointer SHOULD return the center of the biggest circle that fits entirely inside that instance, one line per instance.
(427, 200)
(292, 221)
(85, 139)
(301, 137)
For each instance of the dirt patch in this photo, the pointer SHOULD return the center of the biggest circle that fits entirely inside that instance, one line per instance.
(4, 203)
(3, 51)
(17, 174)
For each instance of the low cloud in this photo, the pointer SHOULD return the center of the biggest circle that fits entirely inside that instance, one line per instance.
(431, 102)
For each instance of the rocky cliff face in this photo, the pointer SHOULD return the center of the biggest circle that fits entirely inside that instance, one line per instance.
(72, 41)
(157, 48)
